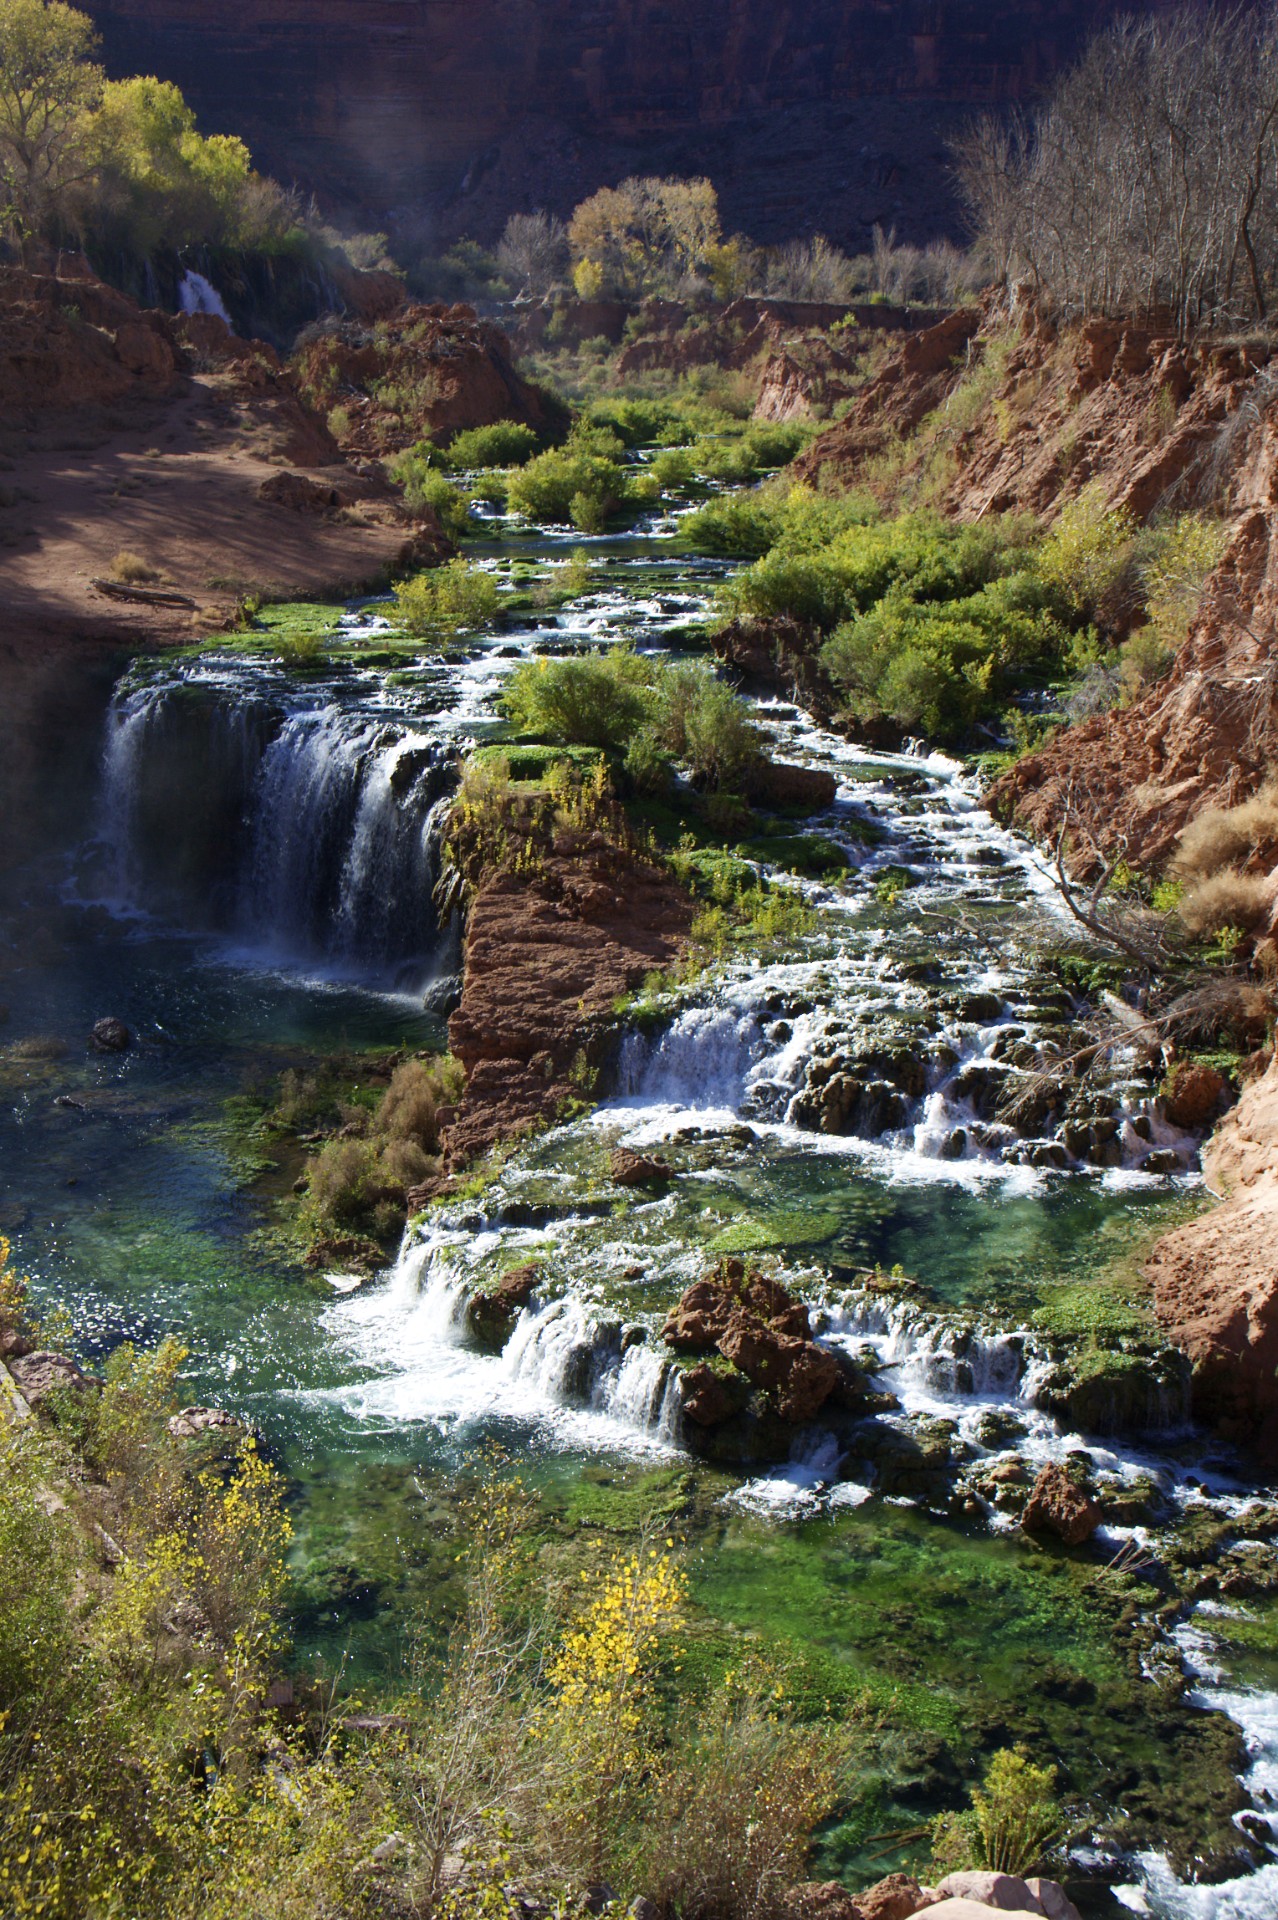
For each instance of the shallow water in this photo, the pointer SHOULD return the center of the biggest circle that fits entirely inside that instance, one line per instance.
(254, 892)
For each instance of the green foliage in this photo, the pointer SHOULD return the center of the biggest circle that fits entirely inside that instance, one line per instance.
(49, 88)
(1015, 1824)
(425, 486)
(653, 711)
(600, 700)
(507, 443)
(935, 667)
(1088, 556)
(447, 601)
(571, 484)
(359, 1179)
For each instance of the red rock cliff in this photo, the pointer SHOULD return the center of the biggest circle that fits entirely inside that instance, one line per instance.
(812, 112)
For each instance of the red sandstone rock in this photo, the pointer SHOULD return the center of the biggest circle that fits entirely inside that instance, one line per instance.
(707, 1399)
(897, 1897)
(538, 972)
(1192, 1094)
(1215, 1280)
(628, 1169)
(1057, 1506)
(42, 1373)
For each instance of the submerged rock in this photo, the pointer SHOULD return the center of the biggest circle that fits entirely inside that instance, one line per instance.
(1057, 1506)
(110, 1036)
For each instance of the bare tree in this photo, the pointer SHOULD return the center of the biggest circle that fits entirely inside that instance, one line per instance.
(533, 252)
(1148, 184)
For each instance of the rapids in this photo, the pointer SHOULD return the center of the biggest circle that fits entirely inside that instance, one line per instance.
(258, 886)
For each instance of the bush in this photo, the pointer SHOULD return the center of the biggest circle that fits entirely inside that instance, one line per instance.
(425, 486)
(1089, 557)
(936, 666)
(598, 701)
(132, 570)
(452, 599)
(575, 476)
(1224, 836)
(650, 710)
(507, 443)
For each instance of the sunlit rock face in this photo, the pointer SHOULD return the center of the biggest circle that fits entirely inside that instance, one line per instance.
(829, 113)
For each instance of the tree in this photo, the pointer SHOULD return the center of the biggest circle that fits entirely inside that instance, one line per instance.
(645, 236)
(157, 176)
(1148, 184)
(49, 86)
(533, 252)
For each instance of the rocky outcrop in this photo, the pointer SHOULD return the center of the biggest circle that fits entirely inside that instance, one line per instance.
(1215, 1280)
(1056, 1505)
(447, 369)
(629, 1169)
(42, 1373)
(491, 1315)
(547, 954)
(757, 1325)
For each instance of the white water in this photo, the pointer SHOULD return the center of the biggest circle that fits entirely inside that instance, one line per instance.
(563, 1371)
(1254, 1896)
(198, 295)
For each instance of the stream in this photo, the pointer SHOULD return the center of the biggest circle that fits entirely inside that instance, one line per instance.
(256, 887)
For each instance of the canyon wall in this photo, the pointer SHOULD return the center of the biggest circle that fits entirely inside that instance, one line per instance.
(813, 113)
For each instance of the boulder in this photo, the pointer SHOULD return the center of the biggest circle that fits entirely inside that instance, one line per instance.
(1057, 1506)
(1053, 1899)
(491, 1315)
(820, 1900)
(41, 1373)
(110, 1036)
(799, 1375)
(708, 1399)
(1001, 1890)
(896, 1898)
(961, 1907)
(629, 1169)
(1192, 1094)
(192, 1423)
(345, 1253)
(778, 783)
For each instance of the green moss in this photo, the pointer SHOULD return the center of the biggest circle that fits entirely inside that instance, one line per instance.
(786, 1228)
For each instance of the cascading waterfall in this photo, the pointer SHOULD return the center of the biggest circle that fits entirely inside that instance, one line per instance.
(196, 294)
(701, 1061)
(564, 1361)
(310, 833)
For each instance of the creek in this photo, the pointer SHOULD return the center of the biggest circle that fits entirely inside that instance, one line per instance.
(256, 890)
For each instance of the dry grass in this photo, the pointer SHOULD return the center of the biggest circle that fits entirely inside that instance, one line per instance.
(1223, 837)
(131, 570)
(1227, 899)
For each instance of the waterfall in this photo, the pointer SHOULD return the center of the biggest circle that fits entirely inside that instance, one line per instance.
(310, 832)
(198, 295)
(344, 853)
(700, 1062)
(566, 1367)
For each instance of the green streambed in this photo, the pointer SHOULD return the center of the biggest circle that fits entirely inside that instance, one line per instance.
(141, 1197)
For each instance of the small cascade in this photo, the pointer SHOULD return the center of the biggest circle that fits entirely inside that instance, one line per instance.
(700, 1062)
(198, 295)
(925, 1360)
(306, 828)
(566, 1365)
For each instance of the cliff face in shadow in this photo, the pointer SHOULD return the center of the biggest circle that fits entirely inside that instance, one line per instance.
(811, 113)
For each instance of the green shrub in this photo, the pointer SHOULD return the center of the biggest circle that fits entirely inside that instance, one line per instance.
(598, 701)
(449, 600)
(1089, 554)
(425, 486)
(936, 666)
(702, 723)
(507, 443)
(637, 423)
(551, 486)
(741, 526)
